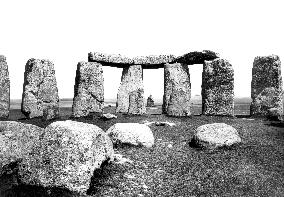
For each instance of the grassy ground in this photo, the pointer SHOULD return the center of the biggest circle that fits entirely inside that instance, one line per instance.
(173, 168)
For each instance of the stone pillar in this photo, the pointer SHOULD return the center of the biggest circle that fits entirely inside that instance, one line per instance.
(218, 88)
(177, 90)
(4, 88)
(88, 89)
(266, 86)
(130, 97)
(40, 94)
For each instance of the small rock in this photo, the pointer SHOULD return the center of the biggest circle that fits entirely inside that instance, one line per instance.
(108, 116)
(170, 146)
(131, 133)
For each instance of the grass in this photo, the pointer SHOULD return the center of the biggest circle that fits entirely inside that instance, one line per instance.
(253, 168)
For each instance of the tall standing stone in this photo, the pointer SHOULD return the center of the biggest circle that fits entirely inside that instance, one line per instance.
(88, 89)
(266, 86)
(177, 90)
(4, 88)
(218, 88)
(40, 94)
(130, 97)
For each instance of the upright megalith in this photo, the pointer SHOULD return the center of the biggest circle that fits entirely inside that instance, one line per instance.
(218, 88)
(177, 90)
(266, 86)
(4, 88)
(40, 93)
(130, 97)
(88, 89)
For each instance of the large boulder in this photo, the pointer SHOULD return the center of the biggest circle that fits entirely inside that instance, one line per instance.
(4, 88)
(40, 94)
(17, 141)
(177, 91)
(69, 153)
(88, 89)
(130, 97)
(215, 135)
(218, 88)
(131, 134)
(266, 86)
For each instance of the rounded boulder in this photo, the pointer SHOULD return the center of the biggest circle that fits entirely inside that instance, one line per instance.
(131, 133)
(215, 135)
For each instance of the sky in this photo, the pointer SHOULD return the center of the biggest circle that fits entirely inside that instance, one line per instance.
(65, 31)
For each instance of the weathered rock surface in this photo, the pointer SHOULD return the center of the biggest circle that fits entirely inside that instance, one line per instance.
(177, 90)
(197, 57)
(136, 102)
(69, 153)
(119, 60)
(4, 88)
(218, 88)
(88, 89)
(17, 140)
(131, 133)
(266, 86)
(151, 61)
(150, 101)
(40, 93)
(130, 97)
(215, 135)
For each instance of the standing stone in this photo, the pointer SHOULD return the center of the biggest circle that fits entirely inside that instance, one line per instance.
(218, 88)
(266, 86)
(150, 101)
(40, 93)
(88, 89)
(130, 97)
(177, 90)
(4, 88)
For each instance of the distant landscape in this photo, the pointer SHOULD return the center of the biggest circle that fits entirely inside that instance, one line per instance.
(241, 105)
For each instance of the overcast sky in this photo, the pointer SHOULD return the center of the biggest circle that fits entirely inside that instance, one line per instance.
(64, 31)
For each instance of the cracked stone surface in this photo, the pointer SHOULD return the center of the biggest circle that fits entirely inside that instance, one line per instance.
(40, 94)
(218, 88)
(177, 90)
(88, 89)
(130, 97)
(69, 153)
(4, 88)
(266, 86)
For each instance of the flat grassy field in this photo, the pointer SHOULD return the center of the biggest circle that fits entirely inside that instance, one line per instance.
(173, 168)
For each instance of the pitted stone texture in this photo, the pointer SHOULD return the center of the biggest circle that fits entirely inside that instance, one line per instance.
(218, 88)
(150, 101)
(4, 88)
(131, 133)
(266, 86)
(215, 135)
(140, 60)
(177, 90)
(88, 89)
(17, 140)
(136, 102)
(40, 91)
(152, 61)
(130, 97)
(69, 153)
